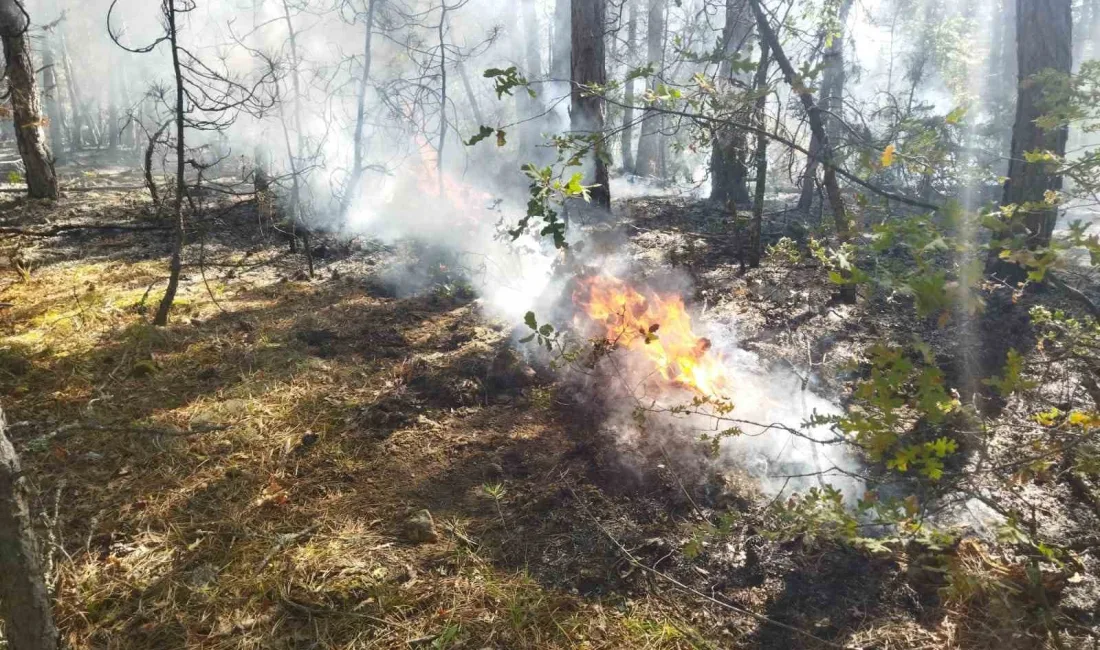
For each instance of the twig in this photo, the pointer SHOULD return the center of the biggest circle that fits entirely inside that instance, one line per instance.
(68, 430)
(287, 540)
(108, 188)
(679, 585)
(1076, 294)
(57, 230)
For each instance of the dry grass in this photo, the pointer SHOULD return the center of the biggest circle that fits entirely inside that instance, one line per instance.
(216, 487)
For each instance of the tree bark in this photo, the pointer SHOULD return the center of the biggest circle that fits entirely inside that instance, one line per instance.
(728, 173)
(589, 67)
(351, 191)
(24, 601)
(757, 223)
(26, 111)
(1044, 31)
(817, 127)
(176, 264)
(832, 100)
(627, 142)
(647, 162)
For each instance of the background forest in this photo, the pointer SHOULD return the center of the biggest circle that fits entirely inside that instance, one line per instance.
(550, 324)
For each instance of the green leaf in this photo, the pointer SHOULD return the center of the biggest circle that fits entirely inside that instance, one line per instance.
(483, 132)
(530, 321)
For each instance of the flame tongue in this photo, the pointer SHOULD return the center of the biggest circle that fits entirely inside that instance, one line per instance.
(656, 327)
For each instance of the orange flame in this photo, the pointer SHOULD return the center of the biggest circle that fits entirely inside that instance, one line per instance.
(469, 204)
(656, 327)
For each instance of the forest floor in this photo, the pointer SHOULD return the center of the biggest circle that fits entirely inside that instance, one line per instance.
(251, 475)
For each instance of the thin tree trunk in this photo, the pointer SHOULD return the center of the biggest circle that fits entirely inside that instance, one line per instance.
(150, 149)
(528, 106)
(475, 107)
(24, 601)
(1080, 38)
(26, 111)
(648, 159)
(295, 154)
(112, 108)
(757, 223)
(1044, 31)
(176, 265)
(589, 67)
(560, 61)
(628, 92)
(76, 141)
(351, 191)
(832, 188)
(832, 100)
(442, 99)
(50, 93)
(728, 174)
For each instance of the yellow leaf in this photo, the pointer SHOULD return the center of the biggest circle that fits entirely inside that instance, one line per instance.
(888, 156)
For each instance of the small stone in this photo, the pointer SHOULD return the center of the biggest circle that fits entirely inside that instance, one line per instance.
(419, 528)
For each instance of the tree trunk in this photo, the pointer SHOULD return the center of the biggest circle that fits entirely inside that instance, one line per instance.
(628, 91)
(1044, 42)
(50, 95)
(295, 155)
(442, 99)
(757, 223)
(76, 138)
(589, 67)
(176, 265)
(531, 32)
(529, 106)
(26, 112)
(351, 191)
(561, 41)
(24, 602)
(647, 162)
(817, 127)
(832, 100)
(113, 122)
(728, 174)
(1081, 33)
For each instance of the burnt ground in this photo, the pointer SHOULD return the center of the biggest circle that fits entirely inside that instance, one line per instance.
(246, 476)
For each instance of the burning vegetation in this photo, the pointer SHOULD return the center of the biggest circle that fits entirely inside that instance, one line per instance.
(549, 324)
(655, 327)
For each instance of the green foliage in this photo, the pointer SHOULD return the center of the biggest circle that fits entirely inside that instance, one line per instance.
(788, 249)
(507, 80)
(1011, 379)
(485, 132)
(544, 334)
(817, 515)
(840, 262)
(890, 408)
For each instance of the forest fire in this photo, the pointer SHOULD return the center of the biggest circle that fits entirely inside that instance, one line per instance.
(656, 327)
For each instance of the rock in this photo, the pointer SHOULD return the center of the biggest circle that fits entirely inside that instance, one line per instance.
(419, 528)
(494, 471)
